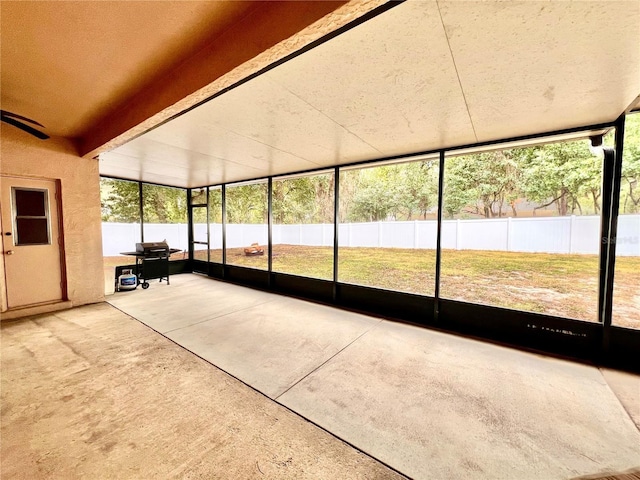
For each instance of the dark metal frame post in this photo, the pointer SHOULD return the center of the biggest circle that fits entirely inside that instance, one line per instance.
(336, 224)
(270, 229)
(190, 225)
(208, 232)
(607, 182)
(614, 209)
(436, 303)
(141, 208)
(224, 230)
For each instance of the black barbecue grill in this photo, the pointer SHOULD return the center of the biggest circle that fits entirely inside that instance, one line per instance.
(152, 261)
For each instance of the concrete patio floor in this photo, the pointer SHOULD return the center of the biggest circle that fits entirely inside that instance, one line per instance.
(91, 393)
(429, 404)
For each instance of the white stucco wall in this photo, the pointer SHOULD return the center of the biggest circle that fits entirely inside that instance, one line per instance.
(56, 158)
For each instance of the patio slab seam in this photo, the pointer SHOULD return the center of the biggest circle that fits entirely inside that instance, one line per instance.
(332, 357)
(622, 404)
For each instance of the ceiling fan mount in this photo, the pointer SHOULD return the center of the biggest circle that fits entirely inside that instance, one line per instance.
(18, 121)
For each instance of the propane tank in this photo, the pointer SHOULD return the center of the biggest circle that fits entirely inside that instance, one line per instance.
(127, 281)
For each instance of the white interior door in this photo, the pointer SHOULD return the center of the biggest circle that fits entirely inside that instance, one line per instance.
(31, 241)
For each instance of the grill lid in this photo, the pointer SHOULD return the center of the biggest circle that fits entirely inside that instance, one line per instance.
(149, 247)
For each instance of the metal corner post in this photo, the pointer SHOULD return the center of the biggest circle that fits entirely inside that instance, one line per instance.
(436, 302)
(336, 224)
(605, 222)
(190, 225)
(615, 158)
(224, 229)
(208, 232)
(141, 206)
(270, 229)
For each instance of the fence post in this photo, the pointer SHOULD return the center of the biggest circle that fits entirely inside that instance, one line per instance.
(571, 224)
(379, 233)
(415, 234)
(458, 234)
(508, 234)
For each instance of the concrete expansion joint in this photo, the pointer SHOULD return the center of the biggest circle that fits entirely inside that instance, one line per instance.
(327, 360)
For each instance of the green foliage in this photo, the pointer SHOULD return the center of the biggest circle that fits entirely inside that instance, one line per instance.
(303, 200)
(419, 194)
(247, 203)
(215, 205)
(484, 184)
(562, 174)
(164, 204)
(120, 202)
(400, 192)
(376, 195)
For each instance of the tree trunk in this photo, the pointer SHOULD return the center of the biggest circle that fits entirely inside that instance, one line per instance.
(596, 196)
(563, 204)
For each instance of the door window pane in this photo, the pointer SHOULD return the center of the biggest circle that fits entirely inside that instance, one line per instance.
(30, 203)
(388, 226)
(521, 229)
(32, 231)
(303, 225)
(247, 228)
(626, 287)
(31, 217)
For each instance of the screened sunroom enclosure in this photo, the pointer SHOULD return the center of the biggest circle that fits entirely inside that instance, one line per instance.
(471, 166)
(468, 239)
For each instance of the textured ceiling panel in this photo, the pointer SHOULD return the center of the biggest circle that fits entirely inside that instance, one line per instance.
(214, 141)
(528, 67)
(176, 166)
(391, 81)
(264, 112)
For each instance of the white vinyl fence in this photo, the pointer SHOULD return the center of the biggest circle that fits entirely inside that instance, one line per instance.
(574, 234)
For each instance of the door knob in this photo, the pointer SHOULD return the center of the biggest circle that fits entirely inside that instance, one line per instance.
(9, 252)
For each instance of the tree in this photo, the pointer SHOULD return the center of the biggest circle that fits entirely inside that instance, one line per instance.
(484, 184)
(164, 204)
(562, 174)
(400, 192)
(120, 202)
(349, 184)
(324, 186)
(304, 200)
(376, 196)
(418, 193)
(247, 203)
(215, 205)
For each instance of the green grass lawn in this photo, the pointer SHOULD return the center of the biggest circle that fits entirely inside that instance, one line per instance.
(554, 284)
